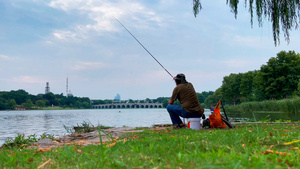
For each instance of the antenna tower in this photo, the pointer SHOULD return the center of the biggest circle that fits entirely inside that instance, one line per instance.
(47, 88)
(67, 87)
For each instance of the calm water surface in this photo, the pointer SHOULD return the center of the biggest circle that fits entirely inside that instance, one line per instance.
(53, 121)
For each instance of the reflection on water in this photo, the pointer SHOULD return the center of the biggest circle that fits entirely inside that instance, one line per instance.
(53, 121)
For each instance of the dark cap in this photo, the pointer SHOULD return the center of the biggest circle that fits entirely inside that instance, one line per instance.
(180, 77)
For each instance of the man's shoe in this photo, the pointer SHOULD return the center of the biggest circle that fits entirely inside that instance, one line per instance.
(179, 126)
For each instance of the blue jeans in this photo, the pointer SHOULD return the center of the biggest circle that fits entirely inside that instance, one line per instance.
(176, 111)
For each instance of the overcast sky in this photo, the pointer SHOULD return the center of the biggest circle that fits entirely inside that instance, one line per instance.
(49, 40)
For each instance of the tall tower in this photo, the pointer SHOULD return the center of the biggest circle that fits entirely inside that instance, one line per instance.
(67, 87)
(68, 92)
(47, 88)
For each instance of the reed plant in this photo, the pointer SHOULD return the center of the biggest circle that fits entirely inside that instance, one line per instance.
(21, 141)
(285, 105)
(84, 127)
(246, 146)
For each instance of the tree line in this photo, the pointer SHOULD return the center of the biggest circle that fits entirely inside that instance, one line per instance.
(278, 79)
(21, 98)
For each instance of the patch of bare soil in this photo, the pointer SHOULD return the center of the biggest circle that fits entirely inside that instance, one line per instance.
(90, 138)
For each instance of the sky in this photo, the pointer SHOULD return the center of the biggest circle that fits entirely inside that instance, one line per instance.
(52, 40)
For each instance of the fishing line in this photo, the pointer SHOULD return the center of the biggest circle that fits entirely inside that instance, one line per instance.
(144, 48)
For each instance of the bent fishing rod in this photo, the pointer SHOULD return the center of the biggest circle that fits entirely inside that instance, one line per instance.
(144, 48)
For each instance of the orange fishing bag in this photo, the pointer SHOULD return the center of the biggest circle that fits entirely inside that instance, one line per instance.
(215, 119)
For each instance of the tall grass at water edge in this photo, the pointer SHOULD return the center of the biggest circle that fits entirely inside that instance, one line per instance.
(285, 105)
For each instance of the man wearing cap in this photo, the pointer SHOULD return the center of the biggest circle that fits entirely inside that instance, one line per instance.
(190, 106)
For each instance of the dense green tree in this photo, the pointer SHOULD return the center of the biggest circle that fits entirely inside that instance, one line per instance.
(246, 86)
(165, 103)
(297, 92)
(161, 99)
(86, 105)
(94, 102)
(51, 98)
(10, 104)
(200, 97)
(280, 77)
(231, 87)
(70, 101)
(78, 104)
(47, 103)
(84, 99)
(154, 101)
(213, 99)
(206, 94)
(40, 103)
(258, 89)
(28, 104)
(148, 100)
(107, 101)
(2, 105)
(20, 96)
(284, 13)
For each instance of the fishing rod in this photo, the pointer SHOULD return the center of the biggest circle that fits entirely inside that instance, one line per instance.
(144, 48)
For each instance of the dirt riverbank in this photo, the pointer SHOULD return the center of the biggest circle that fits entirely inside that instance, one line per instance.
(84, 139)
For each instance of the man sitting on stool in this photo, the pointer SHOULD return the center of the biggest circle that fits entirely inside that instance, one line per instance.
(185, 93)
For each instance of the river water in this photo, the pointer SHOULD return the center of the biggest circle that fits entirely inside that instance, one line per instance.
(53, 121)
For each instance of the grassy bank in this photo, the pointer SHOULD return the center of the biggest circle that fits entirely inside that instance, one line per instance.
(285, 105)
(57, 108)
(246, 146)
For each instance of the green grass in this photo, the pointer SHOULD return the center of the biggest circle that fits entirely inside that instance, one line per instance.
(21, 141)
(242, 147)
(285, 105)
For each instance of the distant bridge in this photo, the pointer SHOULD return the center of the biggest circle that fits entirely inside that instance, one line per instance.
(128, 106)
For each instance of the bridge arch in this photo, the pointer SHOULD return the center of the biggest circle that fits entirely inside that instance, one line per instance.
(127, 105)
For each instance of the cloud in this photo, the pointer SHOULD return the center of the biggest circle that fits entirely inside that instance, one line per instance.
(253, 41)
(27, 79)
(233, 64)
(4, 57)
(89, 66)
(67, 35)
(236, 63)
(102, 13)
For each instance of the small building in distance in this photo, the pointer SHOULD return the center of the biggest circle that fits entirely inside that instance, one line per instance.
(117, 98)
(20, 108)
(69, 94)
